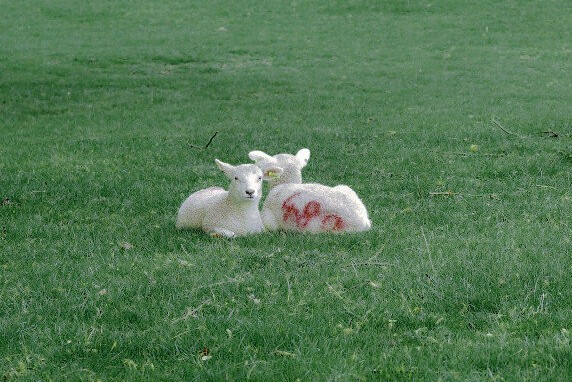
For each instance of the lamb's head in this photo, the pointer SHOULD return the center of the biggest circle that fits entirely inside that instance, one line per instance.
(245, 180)
(291, 165)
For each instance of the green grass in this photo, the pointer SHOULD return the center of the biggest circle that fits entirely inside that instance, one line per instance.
(100, 103)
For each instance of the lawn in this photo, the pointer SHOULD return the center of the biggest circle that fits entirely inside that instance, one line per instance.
(451, 119)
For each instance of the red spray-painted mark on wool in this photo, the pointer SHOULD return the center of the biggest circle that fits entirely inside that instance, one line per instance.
(332, 222)
(311, 211)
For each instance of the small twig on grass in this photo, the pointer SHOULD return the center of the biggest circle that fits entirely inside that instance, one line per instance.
(229, 280)
(494, 155)
(442, 193)
(545, 186)
(550, 134)
(342, 299)
(451, 193)
(208, 144)
(465, 155)
(372, 264)
(505, 130)
(488, 196)
(334, 291)
(428, 251)
(210, 140)
(284, 353)
(192, 312)
(289, 287)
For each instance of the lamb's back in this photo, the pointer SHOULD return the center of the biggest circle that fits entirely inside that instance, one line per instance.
(193, 210)
(314, 208)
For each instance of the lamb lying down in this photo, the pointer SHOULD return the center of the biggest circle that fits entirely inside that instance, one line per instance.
(227, 213)
(307, 207)
(314, 208)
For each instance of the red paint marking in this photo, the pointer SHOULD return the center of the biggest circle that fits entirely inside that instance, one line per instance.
(312, 210)
(332, 222)
(289, 209)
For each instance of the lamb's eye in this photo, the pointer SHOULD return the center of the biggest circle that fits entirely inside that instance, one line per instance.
(236, 178)
(259, 178)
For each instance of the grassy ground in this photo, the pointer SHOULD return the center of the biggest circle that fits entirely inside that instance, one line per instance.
(465, 275)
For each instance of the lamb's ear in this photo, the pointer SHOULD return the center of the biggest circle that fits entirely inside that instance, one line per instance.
(258, 155)
(273, 173)
(303, 156)
(226, 168)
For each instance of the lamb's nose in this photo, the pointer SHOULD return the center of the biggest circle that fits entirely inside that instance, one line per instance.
(250, 192)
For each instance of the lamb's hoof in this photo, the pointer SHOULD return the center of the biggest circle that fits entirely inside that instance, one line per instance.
(223, 233)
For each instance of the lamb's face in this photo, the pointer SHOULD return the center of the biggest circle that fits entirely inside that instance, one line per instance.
(246, 183)
(291, 165)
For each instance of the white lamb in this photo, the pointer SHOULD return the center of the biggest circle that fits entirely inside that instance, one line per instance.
(227, 213)
(309, 207)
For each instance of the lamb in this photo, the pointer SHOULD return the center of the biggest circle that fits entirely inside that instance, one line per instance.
(291, 165)
(227, 213)
(309, 207)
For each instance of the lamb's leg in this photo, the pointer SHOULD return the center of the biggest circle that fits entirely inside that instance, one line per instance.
(221, 232)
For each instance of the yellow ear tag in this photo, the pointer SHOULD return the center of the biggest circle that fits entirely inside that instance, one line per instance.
(273, 175)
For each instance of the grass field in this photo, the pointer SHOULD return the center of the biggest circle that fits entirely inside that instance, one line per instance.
(451, 119)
